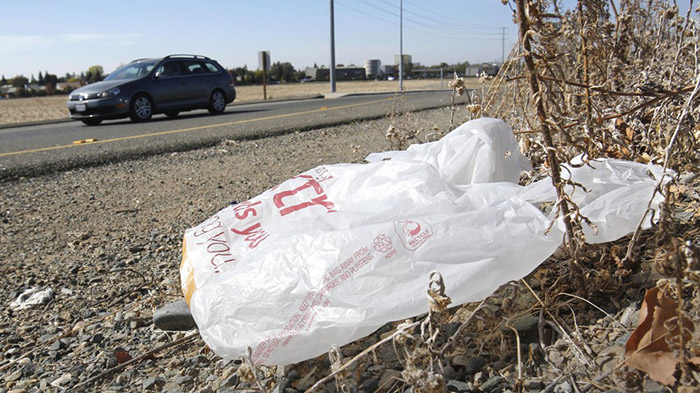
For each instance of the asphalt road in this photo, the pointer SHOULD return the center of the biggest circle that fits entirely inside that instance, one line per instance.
(33, 150)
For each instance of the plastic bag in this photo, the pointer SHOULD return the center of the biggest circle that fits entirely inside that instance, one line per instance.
(334, 253)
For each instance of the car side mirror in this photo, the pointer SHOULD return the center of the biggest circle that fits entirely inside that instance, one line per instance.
(158, 74)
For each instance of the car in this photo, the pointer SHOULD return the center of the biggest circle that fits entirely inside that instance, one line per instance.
(145, 87)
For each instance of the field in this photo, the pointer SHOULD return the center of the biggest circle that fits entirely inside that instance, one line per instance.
(49, 108)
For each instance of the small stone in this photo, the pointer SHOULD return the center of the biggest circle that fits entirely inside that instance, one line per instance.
(17, 374)
(152, 383)
(458, 386)
(14, 339)
(174, 316)
(308, 380)
(493, 384)
(62, 380)
(533, 384)
(293, 375)
(524, 324)
(97, 338)
(388, 378)
(351, 350)
(470, 364)
(369, 385)
(184, 380)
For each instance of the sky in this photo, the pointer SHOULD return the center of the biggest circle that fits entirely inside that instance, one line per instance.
(70, 36)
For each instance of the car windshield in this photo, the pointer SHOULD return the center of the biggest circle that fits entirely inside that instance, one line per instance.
(132, 70)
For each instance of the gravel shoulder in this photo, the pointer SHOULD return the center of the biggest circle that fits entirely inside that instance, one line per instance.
(107, 241)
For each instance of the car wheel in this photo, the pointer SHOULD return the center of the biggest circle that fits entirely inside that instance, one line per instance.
(172, 113)
(141, 108)
(217, 102)
(92, 122)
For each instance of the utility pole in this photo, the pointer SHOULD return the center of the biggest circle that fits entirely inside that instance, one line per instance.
(332, 71)
(400, 46)
(503, 46)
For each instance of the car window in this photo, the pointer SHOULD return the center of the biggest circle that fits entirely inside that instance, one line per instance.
(131, 71)
(211, 67)
(169, 69)
(194, 67)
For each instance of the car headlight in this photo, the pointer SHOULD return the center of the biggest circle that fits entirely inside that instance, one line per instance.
(110, 93)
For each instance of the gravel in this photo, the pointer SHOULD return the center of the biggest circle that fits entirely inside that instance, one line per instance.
(107, 242)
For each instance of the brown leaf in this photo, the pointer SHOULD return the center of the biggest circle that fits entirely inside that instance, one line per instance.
(647, 348)
(695, 361)
(122, 355)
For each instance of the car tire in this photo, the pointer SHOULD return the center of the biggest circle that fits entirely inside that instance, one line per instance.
(217, 102)
(172, 114)
(141, 108)
(91, 122)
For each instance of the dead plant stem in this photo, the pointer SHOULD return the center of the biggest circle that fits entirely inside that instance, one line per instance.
(669, 147)
(552, 158)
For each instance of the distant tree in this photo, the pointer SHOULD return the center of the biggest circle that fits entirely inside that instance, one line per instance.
(19, 81)
(50, 82)
(96, 73)
(33, 80)
(282, 71)
(41, 78)
(3, 81)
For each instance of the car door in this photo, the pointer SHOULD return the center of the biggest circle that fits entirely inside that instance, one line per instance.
(198, 80)
(171, 90)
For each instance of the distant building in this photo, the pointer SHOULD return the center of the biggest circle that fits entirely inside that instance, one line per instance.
(66, 86)
(350, 73)
(34, 87)
(8, 91)
(373, 68)
(407, 59)
(341, 73)
(318, 74)
(473, 70)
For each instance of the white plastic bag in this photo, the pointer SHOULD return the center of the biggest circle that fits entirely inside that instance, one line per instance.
(334, 253)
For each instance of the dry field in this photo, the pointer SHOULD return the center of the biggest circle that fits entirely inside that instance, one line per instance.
(49, 108)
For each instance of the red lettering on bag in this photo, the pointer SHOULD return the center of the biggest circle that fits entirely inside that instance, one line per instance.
(321, 200)
(254, 235)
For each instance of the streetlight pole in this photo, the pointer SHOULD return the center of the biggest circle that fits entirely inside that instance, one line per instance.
(332, 68)
(400, 46)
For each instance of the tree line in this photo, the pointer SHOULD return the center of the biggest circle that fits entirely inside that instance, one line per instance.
(49, 83)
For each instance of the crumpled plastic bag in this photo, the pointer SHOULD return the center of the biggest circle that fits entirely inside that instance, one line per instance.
(334, 253)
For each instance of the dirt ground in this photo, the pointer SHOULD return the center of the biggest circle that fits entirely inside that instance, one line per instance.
(22, 110)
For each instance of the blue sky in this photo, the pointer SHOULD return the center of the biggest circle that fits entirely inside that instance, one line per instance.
(70, 36)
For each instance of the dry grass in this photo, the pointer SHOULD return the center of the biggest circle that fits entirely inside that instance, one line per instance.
(49, 108)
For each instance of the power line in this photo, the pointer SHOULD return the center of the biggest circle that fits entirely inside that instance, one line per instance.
(445, 34)
(458, 21)
(460, 25)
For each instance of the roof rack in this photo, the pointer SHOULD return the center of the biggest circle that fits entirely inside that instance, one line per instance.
(192, 56)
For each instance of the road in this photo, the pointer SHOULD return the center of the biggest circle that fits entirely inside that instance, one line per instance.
(32, 150)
